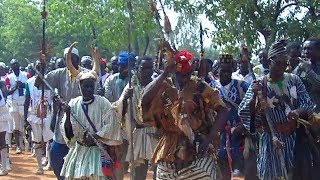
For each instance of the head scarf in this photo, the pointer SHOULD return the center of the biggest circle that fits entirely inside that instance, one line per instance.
(277, 48)
(125, 57)
(183, 62)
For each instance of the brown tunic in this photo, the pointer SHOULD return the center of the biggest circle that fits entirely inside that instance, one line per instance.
(181, 115)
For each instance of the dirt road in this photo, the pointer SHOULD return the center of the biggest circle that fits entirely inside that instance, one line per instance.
(24, 167)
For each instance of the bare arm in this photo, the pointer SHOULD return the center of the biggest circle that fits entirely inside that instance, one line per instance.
(152, 89)
(221, 119)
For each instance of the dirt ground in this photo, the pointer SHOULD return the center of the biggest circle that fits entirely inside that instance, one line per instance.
(24, 167)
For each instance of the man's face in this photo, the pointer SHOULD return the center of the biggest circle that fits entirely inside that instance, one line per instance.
(263, 59)
(123, 70)
(103, 68)
(225, 73)
(114, 65)
(243, 64)
(196, 64)
(75, 60)
(38, 65)
(183, 79)
(145, 70)
(87, 88)
(60, 63)
(15, 66)
(278, 65)
(86, 64)
(310, 50)
(294, 53)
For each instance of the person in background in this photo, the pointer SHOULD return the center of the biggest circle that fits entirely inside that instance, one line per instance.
(4, 127)
(263, 68)
(86, 62)
(16, 85)
(60, 63)
(294, 52)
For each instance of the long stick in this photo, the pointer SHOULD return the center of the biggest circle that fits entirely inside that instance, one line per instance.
(43, 106)
(131, 119)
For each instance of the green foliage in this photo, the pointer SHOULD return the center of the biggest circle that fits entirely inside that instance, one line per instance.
(105, 23)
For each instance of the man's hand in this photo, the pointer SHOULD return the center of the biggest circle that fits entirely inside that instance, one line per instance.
(66, 108)
(204, 146)
(128, 93)
(87, 139)
(20, 84)
(293, 115)
(305, 66)
(256, 87)
(27, 126)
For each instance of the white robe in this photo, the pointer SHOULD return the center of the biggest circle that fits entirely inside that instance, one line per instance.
(83, 161)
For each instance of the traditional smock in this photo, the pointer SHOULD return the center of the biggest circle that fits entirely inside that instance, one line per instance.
(290, 92)
(181, 117)
(83, 161)
(144, 141)
(232, 95)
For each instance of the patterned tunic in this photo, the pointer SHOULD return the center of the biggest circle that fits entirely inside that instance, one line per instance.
(197, 103)
(269, 165)
(232, 95)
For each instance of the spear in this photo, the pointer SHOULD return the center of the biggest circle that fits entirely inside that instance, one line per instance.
(131, 119)
(43, 105)
(202, 68)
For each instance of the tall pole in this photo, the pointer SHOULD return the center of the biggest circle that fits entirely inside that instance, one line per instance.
(43, 103)
(131, 119)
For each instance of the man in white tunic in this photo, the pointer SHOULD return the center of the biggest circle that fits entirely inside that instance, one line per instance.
(16, 85)
(144, 141)
(84, 160)
(40, 123)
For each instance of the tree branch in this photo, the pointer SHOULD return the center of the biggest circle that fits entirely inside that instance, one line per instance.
(283, 8)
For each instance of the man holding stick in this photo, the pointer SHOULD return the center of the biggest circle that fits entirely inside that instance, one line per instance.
(282, 101)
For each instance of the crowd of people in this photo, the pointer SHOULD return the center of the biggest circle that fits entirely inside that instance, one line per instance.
(92, 118)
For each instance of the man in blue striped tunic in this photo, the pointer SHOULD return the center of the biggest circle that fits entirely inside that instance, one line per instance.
(231, 92)
(287, 99)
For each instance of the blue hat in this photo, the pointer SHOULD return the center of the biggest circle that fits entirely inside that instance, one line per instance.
(123, 58)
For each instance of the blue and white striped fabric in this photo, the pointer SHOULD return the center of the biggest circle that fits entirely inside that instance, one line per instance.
(268, 164)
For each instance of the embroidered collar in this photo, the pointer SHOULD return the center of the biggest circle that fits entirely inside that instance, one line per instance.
(87, 102)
